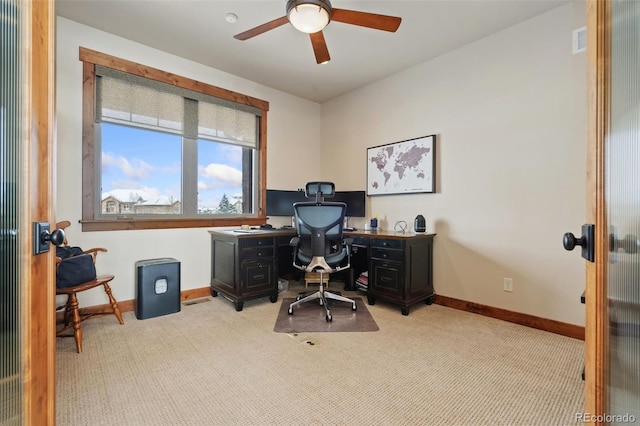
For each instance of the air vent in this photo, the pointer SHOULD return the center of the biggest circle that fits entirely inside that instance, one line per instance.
(579, 43)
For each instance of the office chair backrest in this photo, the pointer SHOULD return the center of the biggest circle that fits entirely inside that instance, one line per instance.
(320, 228)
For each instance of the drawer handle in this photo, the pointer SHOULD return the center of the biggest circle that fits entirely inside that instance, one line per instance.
(384, 255)
(385, 279)
(258, 277)
(259, 253)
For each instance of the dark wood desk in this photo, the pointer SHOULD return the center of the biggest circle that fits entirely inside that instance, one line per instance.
(245, 265)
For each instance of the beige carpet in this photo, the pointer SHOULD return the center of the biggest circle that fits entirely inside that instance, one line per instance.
(211, 365)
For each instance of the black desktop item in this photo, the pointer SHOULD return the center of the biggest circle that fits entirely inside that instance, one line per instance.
(280, 203)
(355, 201)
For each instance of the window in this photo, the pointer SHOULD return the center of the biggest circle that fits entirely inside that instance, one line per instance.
(163, 151)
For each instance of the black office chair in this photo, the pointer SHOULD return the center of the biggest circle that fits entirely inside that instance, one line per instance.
(320, 246)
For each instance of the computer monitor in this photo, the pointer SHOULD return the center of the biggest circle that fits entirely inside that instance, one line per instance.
(280, 203)
(355, 201)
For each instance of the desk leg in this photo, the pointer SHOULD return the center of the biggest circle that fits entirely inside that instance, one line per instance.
(349, 282)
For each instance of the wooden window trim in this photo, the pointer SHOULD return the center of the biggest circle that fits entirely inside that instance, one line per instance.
(90, 59)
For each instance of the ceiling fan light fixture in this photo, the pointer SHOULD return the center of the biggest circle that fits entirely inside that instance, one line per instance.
(309, 16)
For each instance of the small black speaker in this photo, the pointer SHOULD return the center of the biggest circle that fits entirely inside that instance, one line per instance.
(419, 224)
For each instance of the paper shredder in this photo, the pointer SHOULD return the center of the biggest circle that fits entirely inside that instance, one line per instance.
(157, 287)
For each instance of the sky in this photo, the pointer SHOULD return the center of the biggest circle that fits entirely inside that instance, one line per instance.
(151, 161)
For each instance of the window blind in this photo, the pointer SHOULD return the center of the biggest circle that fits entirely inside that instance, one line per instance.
(123, 102)
(218, 122)
(133, 100)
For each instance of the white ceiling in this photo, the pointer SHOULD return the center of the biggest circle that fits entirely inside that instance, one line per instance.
(283, 58)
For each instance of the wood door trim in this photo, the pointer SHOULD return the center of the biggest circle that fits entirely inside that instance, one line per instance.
(596, 336)
(38, 168)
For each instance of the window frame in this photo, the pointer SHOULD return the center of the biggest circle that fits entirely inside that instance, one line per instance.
(91, 219)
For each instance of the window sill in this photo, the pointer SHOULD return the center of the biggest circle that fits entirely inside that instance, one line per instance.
(91, 225)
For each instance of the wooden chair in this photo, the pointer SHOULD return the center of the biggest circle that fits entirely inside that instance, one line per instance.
(72, 317)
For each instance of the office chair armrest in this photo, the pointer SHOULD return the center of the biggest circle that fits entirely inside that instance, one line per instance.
(295, 241)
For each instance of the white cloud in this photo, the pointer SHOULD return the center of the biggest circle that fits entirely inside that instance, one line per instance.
(135, 169)
(221, 175)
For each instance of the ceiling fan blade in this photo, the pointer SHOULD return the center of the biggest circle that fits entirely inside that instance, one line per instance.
(364, 19)
(320, 47)
(261, 28)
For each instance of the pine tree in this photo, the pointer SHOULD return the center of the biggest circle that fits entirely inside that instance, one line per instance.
(225, 206)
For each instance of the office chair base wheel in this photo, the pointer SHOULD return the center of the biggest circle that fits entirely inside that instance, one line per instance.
(329, 318)
(354, 308)
(290, 312)
(273, 298)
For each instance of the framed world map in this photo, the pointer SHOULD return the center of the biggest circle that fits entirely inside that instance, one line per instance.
(402, 167)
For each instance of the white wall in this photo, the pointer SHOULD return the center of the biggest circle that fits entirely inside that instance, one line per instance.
(509, 112)
(288, 117)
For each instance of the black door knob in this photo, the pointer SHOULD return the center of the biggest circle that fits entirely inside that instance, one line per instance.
(569, 241)
(56, 237)
(586, 241)
(41, 237)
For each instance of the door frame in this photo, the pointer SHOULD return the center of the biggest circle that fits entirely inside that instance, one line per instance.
(596, 336)
(37, 203)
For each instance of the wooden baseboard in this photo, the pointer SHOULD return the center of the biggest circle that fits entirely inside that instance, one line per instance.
(552, 326)
(130, 305)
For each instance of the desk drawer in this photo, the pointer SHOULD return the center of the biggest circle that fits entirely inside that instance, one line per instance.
(257, 276)
(256, 254)
(360, 241)
(386, 278)
(394, 255)
(247, 243)
(386, 243)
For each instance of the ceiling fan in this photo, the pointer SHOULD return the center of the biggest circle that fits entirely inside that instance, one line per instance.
(311, 16)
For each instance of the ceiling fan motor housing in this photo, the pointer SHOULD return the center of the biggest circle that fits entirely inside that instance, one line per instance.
(324, 4)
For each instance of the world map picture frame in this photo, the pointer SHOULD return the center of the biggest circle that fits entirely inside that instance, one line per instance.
(404, 167)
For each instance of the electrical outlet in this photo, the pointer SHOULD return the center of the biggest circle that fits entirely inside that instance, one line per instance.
(508, 284)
